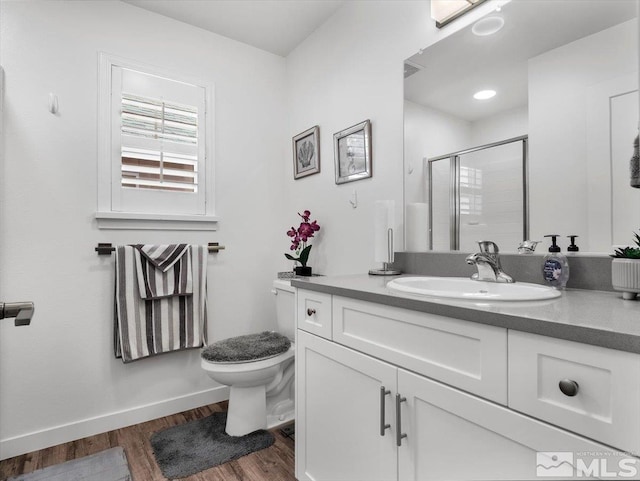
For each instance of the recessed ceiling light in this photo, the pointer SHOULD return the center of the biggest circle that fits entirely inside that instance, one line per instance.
(488, 25)
(484, 94)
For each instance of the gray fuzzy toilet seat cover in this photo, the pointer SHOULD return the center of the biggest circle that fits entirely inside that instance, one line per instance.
(251, 347)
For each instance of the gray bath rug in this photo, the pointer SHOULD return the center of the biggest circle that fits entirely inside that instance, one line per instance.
(109, 465)
(202, 444)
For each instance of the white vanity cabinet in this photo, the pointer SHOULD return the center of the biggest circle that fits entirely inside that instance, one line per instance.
(365, 412)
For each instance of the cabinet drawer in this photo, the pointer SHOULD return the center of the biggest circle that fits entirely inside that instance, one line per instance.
(606, 404)
(467, 355)
(313, 312)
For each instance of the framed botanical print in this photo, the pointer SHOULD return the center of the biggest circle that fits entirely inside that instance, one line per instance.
(306, 153)
(352, 153)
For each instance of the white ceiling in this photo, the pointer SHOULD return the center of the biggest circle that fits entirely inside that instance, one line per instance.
(277, 26)
(458, 66)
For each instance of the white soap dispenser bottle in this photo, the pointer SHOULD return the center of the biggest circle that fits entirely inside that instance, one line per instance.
(555, 266)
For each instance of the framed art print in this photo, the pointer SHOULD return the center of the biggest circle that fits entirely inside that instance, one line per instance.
(306, 153)
(352, 153)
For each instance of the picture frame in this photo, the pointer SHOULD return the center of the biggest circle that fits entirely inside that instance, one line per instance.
(352, 153)
(306, 153)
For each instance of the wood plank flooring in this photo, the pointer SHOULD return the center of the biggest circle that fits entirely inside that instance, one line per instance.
(275, 463)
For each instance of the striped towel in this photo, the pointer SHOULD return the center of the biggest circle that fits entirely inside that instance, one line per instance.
(146, 327)
(164, 270)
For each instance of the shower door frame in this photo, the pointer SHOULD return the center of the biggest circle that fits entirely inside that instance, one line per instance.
(454, 189)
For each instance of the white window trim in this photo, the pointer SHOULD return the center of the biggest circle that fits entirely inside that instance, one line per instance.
(105, 216)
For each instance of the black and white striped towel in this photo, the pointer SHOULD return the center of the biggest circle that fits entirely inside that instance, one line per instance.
(146, 327)
(163, 270)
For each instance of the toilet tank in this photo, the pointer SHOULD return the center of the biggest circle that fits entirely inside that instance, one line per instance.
(285, 307)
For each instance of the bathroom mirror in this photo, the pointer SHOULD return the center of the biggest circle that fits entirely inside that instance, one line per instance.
(565, 75)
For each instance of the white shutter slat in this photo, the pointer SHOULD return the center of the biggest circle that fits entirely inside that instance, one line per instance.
(151, 154)
(159, 144)
(141, 169)
(151, 184)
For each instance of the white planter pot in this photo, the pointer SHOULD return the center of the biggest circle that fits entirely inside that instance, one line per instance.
(625, 277)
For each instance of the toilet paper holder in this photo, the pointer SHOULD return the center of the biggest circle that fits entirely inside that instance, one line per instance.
(387, 270)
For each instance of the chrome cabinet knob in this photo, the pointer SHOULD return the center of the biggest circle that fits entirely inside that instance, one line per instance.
(568, 387)
(310, 312)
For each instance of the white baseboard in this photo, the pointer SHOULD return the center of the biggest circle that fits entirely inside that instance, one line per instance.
(64, 433)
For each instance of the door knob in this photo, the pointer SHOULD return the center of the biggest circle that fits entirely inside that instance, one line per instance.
(21, 311)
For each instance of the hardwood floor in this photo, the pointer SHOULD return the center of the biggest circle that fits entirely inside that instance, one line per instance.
(275, 463)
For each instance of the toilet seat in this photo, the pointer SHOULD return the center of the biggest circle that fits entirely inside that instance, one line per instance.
(248, 348)
(224, 367)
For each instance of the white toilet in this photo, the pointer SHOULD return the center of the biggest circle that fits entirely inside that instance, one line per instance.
(262, 389)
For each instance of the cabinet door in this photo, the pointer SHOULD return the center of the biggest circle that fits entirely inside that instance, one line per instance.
(338, 414)
(456, 436)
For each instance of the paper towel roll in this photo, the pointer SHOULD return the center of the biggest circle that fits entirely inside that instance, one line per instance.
(417, 227)
(384, 218)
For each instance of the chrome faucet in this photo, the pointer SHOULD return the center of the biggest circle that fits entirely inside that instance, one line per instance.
(487, 261)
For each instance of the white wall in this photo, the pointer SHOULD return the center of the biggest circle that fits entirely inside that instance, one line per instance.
(58, 377)
(561, 84)
(428, 133)
(348, 70)
(501, 126)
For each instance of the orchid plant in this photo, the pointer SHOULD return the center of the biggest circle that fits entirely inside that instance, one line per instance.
(300, 236)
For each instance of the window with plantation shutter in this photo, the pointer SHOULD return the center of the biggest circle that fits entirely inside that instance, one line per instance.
(159, 144)
(159, 135)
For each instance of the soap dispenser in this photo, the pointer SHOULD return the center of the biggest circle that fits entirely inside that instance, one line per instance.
(555, 266)
(572, 247)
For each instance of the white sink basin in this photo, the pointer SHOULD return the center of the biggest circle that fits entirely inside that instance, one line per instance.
(465, 288)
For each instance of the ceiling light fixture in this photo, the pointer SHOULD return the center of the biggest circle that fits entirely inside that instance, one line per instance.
(445, 11)
(488, 25)
(484, 94)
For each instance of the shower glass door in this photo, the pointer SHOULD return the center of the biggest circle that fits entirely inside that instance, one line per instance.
(479, 194)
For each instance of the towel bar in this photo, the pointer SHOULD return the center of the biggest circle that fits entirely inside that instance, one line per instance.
(214, 247)
(105, 249)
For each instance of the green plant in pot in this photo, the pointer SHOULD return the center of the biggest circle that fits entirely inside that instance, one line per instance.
(625, 270)
(299, 239)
